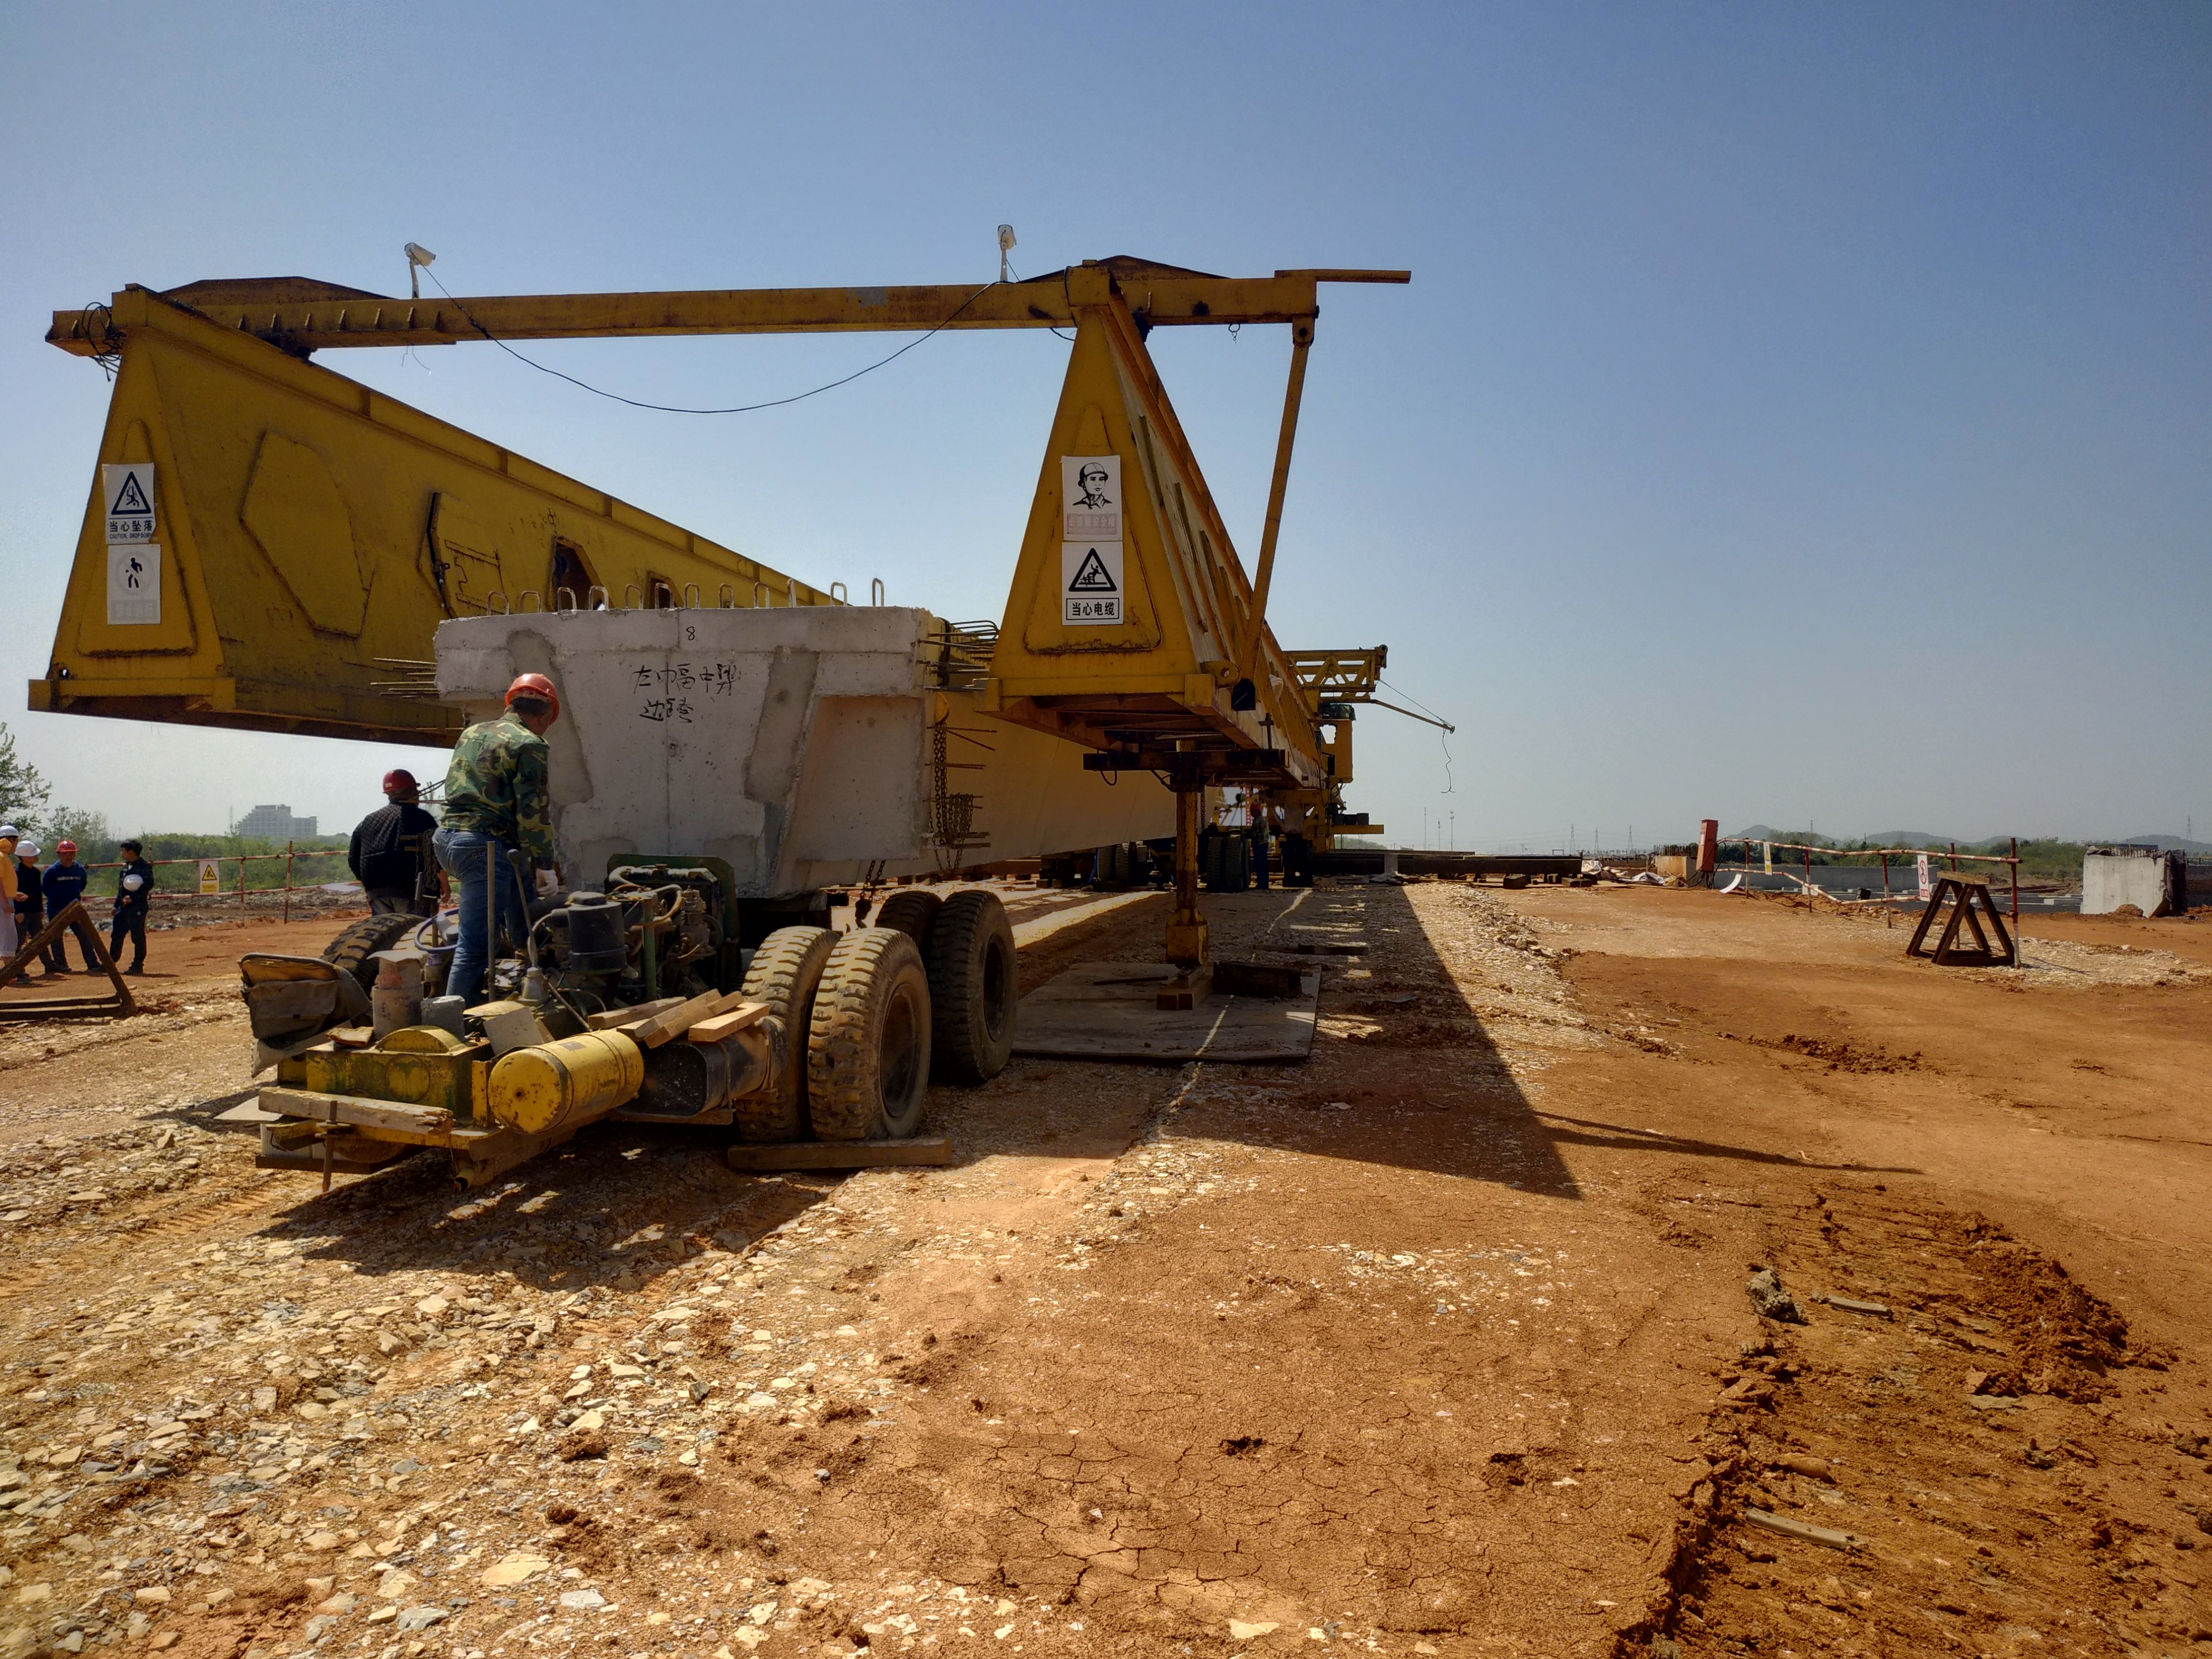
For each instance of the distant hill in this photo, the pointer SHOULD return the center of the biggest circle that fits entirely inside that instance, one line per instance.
(1917, 838)
(1886, 838)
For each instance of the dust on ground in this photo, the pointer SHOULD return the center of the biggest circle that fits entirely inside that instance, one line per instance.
(1438, 1344)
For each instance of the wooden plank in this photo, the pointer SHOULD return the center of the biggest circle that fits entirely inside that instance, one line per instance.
(394, 1116)
(249, 1114)
(614, 1018)
(843, 1154)
(728, 1024)
(651, 1033)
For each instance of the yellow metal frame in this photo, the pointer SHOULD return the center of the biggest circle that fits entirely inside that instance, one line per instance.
(303, 315)
(1168, 672)
(314, 534)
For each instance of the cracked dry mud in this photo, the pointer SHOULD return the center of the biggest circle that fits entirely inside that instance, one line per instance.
(1438, 1344)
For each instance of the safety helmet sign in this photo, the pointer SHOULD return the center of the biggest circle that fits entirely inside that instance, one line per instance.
(1091, 498)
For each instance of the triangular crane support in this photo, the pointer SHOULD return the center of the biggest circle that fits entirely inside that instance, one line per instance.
(1964, 895)
(76, 918)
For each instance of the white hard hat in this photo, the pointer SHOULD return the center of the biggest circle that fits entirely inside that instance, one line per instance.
(134, 882)
(29, 849)
(9, 832)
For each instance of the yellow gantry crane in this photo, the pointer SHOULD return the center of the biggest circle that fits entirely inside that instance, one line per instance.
(302, 535)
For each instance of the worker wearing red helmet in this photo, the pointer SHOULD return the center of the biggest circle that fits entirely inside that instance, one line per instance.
(390, 854)
(62, 883)
(497, 825)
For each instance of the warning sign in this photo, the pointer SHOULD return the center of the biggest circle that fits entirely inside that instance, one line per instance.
(210, 876)
(1927, 878)
(1091, 583)
(134, 584)
(1091, 498)
(129, 492)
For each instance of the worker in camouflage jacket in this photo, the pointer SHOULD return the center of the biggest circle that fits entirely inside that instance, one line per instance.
(497, 828)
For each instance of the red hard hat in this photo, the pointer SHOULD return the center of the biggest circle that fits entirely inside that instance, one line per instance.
(399, 778)
(534, 685)
(65, 846)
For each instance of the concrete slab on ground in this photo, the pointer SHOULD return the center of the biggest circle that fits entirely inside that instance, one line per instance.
(1107, 1011)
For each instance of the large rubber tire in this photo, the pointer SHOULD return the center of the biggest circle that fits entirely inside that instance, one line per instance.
(785, 973)
(1236, 864)
(911, 910)
(352, 949)
(868, 1048)
(975, 985)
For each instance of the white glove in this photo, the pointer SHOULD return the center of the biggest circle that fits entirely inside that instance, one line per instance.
(548, 883)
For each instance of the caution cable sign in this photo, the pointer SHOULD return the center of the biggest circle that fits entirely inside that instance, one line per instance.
(1091, 583)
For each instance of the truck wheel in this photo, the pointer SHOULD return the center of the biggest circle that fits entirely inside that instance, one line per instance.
(1236, 863)
(352, 949)
(911, 910)
(785, 972)
(974, 985)
(867, 1048)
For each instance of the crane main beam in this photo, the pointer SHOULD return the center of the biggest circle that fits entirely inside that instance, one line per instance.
(302, 315)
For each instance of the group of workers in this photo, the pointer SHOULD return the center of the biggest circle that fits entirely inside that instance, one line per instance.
(495, 846)
(30, 895)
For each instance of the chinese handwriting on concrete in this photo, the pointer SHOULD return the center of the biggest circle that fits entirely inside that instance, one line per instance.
(669, 687)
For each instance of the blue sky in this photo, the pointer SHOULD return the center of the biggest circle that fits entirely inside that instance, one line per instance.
(1798, 413)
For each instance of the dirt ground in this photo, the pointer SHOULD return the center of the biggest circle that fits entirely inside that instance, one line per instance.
(1439, 1343)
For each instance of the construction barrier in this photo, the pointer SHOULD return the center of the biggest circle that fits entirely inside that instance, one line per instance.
(232, 875)
(1923, 862)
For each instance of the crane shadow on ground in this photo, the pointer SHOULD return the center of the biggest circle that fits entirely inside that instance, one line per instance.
(1405, 1070)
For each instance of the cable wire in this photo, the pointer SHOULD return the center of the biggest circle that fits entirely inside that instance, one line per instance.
(740, 409)
(1443, 738)
(1048, 328)
(1409, 697)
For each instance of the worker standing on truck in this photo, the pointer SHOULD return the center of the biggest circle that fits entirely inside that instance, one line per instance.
(497, 825)
(134, 897)
(391, 855)
(64, 884)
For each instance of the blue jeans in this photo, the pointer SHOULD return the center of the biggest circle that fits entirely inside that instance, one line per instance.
(463, 853)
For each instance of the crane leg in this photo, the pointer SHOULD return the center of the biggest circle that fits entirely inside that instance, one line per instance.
(1187, 928)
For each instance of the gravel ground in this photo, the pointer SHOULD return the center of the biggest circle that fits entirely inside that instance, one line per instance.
(1437, 1344)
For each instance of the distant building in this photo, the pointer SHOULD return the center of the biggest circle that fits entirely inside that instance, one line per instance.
(275, 824)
